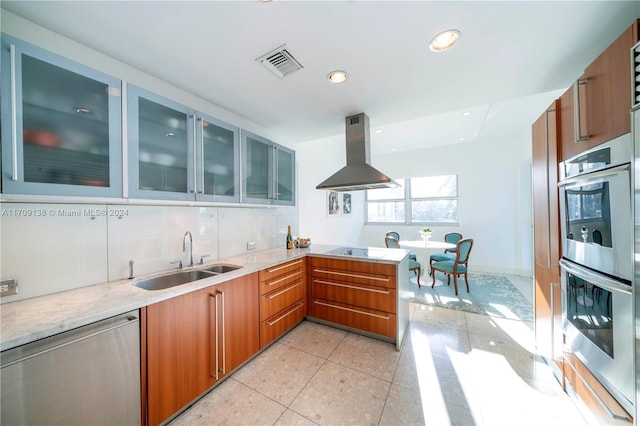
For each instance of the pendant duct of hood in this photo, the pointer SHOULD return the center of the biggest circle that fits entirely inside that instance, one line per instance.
(358, 174)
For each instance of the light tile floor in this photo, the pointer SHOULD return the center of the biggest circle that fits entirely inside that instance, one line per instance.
(453, 368)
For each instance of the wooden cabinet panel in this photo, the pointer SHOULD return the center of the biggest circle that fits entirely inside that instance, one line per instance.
(593, 394)
(283, 294)
(376, 274)
(378, 322)
(275, 301)
(379, 298)
(604, 98)
(278, 324)
(542, 312)
(195, 339)
(241, 320)
(178, 349)
(360, 295)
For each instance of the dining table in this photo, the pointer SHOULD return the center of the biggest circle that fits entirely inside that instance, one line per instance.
(427, 247)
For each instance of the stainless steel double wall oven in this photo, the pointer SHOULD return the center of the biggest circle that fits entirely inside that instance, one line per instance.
(597, 231)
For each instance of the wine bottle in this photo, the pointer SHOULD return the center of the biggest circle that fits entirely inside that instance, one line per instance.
(289, 239)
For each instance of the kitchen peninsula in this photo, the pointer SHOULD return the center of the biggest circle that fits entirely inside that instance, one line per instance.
(363, 290)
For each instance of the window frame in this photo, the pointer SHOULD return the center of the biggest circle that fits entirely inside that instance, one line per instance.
(407, 200)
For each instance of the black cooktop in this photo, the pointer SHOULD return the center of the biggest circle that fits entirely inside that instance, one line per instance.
(357, 251)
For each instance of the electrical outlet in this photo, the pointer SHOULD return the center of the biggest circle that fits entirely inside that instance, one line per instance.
(251, 245)
(8, 287)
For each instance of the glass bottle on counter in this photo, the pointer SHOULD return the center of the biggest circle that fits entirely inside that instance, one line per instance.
(289, 239)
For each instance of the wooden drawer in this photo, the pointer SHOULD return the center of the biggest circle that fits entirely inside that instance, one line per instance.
(275, 301)
(379, 298)
(370, 320)
(593, 394)
(278, 324)
(376, 274)
(281, 269)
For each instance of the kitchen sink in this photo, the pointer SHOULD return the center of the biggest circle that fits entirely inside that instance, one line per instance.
(171, 280)
(182, 277)
(220, 268)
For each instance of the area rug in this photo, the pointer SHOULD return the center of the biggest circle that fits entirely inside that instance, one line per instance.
(492, 295)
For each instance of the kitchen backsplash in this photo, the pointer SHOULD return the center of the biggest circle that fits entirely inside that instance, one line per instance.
(55, 247)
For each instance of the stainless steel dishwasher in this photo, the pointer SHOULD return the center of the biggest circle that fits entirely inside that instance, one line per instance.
(86, 376)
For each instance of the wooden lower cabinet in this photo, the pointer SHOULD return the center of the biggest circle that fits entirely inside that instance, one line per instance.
(601, 405)
(355, 294)
(195, 339)
(282, 299)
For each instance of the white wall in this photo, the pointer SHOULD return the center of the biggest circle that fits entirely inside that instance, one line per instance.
(494, 197)
(51, 247)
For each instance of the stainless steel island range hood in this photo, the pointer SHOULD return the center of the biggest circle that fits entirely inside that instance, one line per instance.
(358, 174)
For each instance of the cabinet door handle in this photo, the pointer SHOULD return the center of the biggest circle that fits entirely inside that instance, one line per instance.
(201, 154)
(344, 274)
(224, 352)
(281, 292)
(270, 270)
(14, 115)
(579, 85)
(384, 317)
(284, 278)
(353, 287)
(281, 317)
(214, 333)
(194, 188)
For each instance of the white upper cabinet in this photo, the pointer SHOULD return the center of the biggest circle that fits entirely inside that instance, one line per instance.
(268, 175)
(177, 153)
(61, 125)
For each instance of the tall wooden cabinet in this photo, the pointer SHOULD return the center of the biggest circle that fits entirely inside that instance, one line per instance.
(547, 295)
(195, 339)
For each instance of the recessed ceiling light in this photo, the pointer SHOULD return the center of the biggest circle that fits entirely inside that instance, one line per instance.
(169, 134)
(379, 131)
(444, 40)
(82, 110)
(460, 139)
(338, 77)
(466, 113)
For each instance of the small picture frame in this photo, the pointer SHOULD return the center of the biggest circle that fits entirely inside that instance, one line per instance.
(346, 203)
(333, 203)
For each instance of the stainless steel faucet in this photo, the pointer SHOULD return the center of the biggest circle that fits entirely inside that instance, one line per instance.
(131, 269)
(184, 246)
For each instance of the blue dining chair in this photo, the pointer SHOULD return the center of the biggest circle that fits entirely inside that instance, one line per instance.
(455, 267)
(449, 253)
(394, 234)
(414, 265)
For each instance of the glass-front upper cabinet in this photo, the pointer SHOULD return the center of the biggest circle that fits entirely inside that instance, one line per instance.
(268, 173)
(160, 137)
(177, 153)
(61, 125)
(218, 160)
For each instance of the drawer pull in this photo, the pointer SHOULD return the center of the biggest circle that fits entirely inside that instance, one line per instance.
(280, 318)
(384, 317)
(343, 274)
(352, 286)
(273, 296)
(286, 265)
(284, 278)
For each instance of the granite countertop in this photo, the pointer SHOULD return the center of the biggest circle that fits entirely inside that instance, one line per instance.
(28, 320)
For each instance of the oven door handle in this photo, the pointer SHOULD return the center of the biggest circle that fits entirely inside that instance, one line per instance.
(601, 280)
(595, 176)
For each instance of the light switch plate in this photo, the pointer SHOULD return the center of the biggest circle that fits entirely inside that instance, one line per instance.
(8, 287)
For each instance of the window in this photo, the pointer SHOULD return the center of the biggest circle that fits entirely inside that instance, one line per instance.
(423, 200)
(587, 202)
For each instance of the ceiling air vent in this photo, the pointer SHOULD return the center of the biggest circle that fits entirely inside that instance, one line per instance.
(280, 62)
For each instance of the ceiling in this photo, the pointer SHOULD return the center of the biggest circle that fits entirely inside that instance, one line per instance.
(512, 60)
